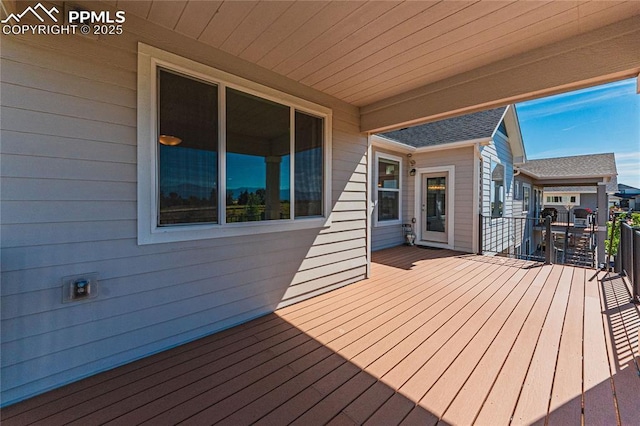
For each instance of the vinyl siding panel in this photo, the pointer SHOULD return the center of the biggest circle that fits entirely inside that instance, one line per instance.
(69, 184)
(462, 159)
(499, 150)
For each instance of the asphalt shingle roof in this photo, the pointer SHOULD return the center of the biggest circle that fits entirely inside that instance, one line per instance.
(626, 188)
(575, 166)
(463, 128)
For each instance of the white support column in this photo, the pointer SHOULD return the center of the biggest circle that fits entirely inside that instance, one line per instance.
(603, 216)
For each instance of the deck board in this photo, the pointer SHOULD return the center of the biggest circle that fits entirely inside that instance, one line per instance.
(398, 364)
(464, 338)
(621, 324)
(599, 405)
(501, 401)
(533, 402)
(465, 406)
(433, 337)
(566, 397)
(447, 386)
(440, 332)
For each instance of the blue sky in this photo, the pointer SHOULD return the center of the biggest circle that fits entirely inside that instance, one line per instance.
(590, 121)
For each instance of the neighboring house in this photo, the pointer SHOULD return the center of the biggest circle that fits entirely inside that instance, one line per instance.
(629, 197)
(562, 197)
(575, 168)
(205, 163)
(444, 174)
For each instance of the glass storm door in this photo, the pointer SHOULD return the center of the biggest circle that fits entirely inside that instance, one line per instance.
(434, 208)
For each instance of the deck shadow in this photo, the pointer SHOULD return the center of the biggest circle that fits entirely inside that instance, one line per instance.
(291, 367)
(266, 372)
(407, 257)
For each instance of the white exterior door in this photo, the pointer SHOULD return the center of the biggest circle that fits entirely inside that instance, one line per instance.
(435, 217)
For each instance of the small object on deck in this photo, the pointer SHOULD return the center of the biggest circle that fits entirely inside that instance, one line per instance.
(409, 236)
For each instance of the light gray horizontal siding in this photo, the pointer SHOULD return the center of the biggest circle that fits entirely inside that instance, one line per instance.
(462, 159)
(500, 235)
(68, 207)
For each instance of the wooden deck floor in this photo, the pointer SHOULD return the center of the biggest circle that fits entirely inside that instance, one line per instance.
(433, 337)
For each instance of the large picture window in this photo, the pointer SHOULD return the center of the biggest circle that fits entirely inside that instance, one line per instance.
(223, 156)
(388, 174)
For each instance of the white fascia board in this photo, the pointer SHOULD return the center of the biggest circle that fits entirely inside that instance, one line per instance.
(382, 142)
(453, 145)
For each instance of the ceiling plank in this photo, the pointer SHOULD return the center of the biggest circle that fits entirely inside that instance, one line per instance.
(138, 8)
(597, 14)
(335, 34)
(291, 20)
(229, 15)
(441, 19)
(166, 13)
(419, 70)
(324, 64)
(597, 56)
(196, 16)
(328, 17)
(542, 26)
(255, 23)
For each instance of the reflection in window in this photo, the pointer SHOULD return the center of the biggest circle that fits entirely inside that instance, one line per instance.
(388, 189)
(253, 180)
(436, 204)
(187, 154)
(258, 159)
(497, 189)
(309, 176)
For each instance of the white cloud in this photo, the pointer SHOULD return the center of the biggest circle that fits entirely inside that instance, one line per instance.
(627, 156)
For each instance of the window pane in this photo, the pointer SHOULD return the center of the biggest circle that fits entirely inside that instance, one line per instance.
(258, 159)
(436, 204)
(308, 185)
(388, 205)
(497, 191)
(188, 170)
(388, 174)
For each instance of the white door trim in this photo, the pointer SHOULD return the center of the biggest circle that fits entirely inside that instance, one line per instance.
(450, 170)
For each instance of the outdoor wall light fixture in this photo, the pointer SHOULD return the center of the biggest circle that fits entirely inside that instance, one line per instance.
(412, 163)
(169, 140)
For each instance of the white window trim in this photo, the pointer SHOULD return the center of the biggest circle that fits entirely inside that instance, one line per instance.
(148, 231)
(376, 222)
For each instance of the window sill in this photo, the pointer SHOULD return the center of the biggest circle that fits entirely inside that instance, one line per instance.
(171, 234)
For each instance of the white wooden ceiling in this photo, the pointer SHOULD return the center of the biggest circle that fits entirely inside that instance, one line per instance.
(364, 52)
